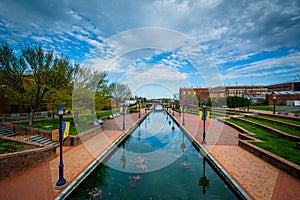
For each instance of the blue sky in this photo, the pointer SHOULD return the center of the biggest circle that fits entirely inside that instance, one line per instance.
(158, 46)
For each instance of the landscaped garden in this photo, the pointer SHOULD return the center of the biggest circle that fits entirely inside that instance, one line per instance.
(10, 146)
(270, 142)
(82, 125)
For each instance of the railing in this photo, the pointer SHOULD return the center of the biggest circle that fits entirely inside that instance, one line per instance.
(21, 116)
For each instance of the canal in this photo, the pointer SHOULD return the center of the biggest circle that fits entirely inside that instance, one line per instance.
(157, 161)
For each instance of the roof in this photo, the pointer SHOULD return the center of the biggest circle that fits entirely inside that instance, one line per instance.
(288, 92)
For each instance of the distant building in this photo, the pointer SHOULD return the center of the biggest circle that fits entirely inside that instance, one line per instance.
(290, 86)
(193, 96)
(240, 91)
(285, 93)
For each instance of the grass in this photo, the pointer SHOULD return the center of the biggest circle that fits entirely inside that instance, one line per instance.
(9, 146)
(291, 121)
(267, 108)
(279, 146)
(83, 123)
(276, 126)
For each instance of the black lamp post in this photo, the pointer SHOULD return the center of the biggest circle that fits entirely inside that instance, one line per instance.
(204, 118)
(183, 114)
(53, 108)
(139, 108)
(274, 104)
(173, 106)
(123, 112)
(248, 102)
(61, 181)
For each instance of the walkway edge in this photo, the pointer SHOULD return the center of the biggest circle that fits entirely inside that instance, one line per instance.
(83, 175)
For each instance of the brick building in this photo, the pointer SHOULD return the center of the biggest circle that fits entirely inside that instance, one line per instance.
(284, 93)
(193, 96)
(240, 91)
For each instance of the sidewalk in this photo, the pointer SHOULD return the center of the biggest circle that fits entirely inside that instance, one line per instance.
(259, 179)
(39, 182)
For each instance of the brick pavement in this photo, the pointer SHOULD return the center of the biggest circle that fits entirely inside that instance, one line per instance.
(39, 182)
(259, 179)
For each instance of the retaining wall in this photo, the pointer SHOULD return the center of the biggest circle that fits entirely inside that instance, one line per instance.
(18, 162)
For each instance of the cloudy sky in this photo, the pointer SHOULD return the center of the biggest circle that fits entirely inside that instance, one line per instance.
(158, 46)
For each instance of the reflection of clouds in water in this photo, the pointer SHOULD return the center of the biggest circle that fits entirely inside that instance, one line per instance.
(164, 148)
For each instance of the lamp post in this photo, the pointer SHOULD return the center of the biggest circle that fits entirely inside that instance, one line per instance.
(204, 118)
(248, 102)
(173, 106)
(183, 114)
(53, 108)
(61, 181)
(123, 112)
(139, 108)
(274, 104)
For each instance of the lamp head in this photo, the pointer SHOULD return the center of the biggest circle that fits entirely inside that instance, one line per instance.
(60, 110)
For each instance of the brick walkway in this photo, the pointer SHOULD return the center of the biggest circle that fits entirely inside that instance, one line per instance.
(259, 179)
(39, 182)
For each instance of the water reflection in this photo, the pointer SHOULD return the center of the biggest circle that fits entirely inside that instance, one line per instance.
(160, 165)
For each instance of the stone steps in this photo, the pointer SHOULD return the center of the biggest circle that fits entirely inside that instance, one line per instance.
(41, 140)
(7, 132)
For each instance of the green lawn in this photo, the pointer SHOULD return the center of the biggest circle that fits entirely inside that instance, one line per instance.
(83, 122)
(276, 126)
(272, 143)
(291, 121)
(9, 146)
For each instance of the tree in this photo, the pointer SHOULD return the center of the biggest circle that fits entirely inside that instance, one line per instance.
(119, 92)
(33, 76)
(90, 90)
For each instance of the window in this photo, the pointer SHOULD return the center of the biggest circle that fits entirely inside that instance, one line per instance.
(14, 108)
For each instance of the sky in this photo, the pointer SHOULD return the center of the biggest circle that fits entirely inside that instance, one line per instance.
(156, 47)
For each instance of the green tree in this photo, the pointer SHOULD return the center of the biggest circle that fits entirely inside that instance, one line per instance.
(33, 76)
(90, 90)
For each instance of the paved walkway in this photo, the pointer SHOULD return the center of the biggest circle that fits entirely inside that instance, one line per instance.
(39, 182)
(259, 179)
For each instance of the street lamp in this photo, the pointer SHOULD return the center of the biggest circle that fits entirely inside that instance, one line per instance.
(183, 114)
(173, 106)
(61, 181)
(274, 104)
(204, 118)
(53, 108)
(139, 108)
(123, 112)
(248, 102)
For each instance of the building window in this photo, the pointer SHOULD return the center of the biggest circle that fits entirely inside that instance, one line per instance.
(14, 108)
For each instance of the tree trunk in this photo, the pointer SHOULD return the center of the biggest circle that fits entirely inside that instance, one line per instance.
(31, 116)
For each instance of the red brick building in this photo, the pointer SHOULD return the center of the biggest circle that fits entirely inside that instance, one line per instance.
(284, 92)
(193, 96)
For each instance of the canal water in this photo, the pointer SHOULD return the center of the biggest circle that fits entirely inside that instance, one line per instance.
(157, 161)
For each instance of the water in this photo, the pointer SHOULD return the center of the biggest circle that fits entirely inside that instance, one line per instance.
(155, 162)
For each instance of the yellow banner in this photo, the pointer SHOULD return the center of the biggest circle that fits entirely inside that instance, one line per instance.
(67, 128)
(207, 115)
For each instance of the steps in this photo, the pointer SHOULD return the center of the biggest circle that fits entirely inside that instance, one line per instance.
(41, 140)
(7, 132)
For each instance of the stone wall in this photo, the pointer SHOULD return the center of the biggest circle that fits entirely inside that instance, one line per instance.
(18, 162)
